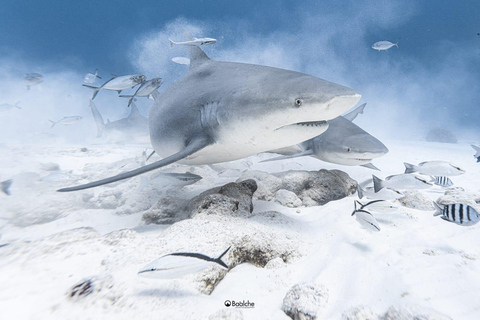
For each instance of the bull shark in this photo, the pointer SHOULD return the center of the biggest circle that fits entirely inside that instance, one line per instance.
(343, 143)
(133, 124)
(224, 111)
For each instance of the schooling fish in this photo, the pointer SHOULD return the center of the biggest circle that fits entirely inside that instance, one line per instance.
(383, 194)
(383, 45)
(66, 120)
(91, 77)
(118, 83)
(175, 265)
(366, 219)
(458, 213)
(5, 186)
(145, 89)
(441, 181)
(434, 168)
(477, 150)
(32, 79)
(400, 182)
(195, 42)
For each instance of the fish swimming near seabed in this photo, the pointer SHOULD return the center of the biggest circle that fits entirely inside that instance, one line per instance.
(400, 182)
(5, 186)
(167, 179)
(91, 77)
(366, 219)
(380, 206)
(32, 79)
(461, 214)
(181, 60)
(195, 42)
(66, 120)
(216, 122)
(134, 124)
(175, 265)
(8, 106)
(145, 89)
(441, 181)
(118, 83)
(342, 143)
(384, 45)
(434, 168)
(477, 152)
(383, 194)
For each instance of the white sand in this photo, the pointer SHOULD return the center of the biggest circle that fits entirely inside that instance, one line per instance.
(416, 259)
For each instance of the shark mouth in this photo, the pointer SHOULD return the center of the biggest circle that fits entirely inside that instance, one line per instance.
(312, 124)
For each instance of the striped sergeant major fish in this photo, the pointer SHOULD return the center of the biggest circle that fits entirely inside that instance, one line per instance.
(458, 213)
(441, 181)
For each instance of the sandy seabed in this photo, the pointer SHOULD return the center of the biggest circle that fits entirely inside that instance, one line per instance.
(55, 240)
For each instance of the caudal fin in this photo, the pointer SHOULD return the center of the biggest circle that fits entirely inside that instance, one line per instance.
(438, 209)
(172, 43)
(95, 90)
(377, 183)
(360, 191)
(16, 105)
(219, 259)
(53, 123)
(6, 187)
(409, 168)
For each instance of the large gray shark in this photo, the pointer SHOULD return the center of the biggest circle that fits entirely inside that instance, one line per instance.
(134, 124)
(343, 143)
(224, 111)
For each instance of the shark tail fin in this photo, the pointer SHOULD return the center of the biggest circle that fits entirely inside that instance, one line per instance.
(438, 209)
(409, 168)
(98, 119)
(301, 154)
(219, 259)
(53, 123)
(377, 183)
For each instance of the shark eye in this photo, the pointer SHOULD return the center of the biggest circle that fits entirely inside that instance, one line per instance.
(298, 102)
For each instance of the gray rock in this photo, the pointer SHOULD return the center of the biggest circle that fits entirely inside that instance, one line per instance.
(460, 196)
(413, 313)
(441, 135)
(287, 198)
(312, 187)
(167, 210)
(415, 200)
(360, 313)
(230, 199)
(305, 301)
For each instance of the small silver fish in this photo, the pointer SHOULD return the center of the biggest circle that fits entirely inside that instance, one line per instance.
(441, 181)
(91, 77)
(118, 83)
(400, 182)
(195, 42)
(366, 219)
(32, 79)
(181, 60)
(8, 107)
(145, 89)
(458, 213)
(5, 186)
(175, 265)
(66, 120)
(434, 168)
(383, 194)
(384, 45)
(380, 206)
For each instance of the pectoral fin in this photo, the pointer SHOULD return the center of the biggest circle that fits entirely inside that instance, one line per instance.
(370, 166)
(194, 146)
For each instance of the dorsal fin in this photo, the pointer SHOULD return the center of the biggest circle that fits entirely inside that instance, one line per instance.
(197, 55)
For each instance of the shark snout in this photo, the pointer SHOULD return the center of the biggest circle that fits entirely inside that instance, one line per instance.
(366, 146)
